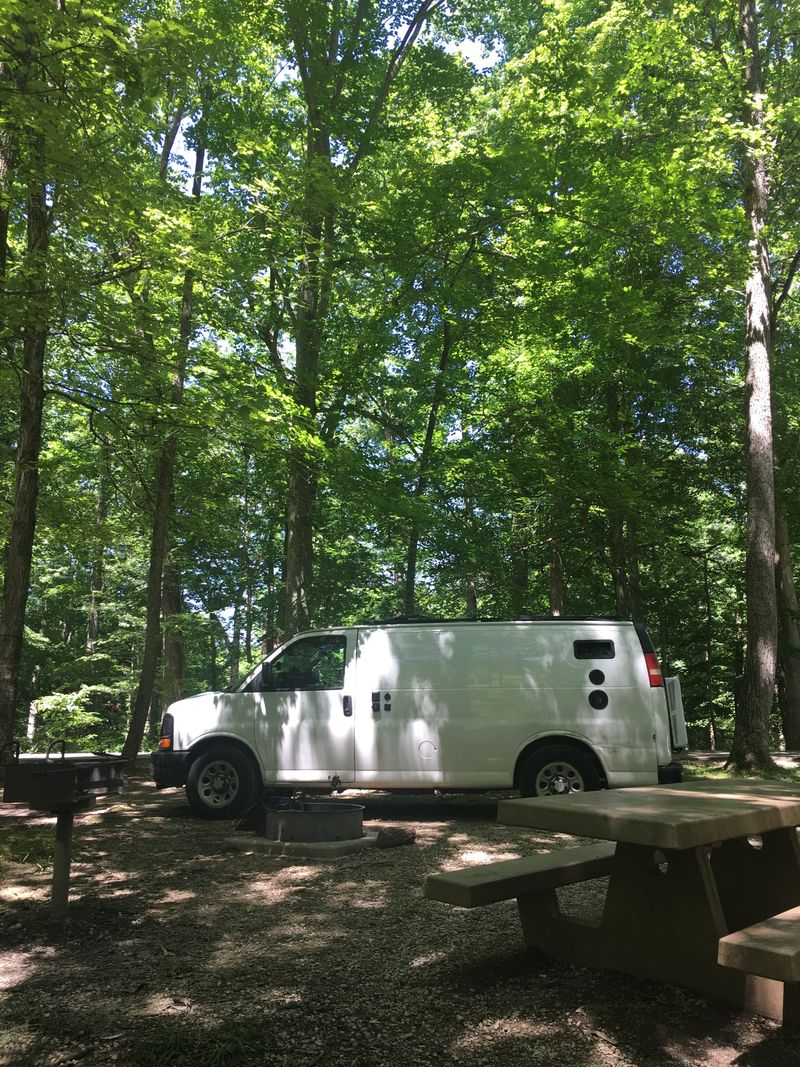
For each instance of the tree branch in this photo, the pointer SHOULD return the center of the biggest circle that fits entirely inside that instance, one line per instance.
(794, 265)
(170, 136)
(398, 57)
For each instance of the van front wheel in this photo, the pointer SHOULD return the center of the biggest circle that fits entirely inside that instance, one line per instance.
(221, 783)
(556, 771)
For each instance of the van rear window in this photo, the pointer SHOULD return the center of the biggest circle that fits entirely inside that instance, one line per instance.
(593, 649)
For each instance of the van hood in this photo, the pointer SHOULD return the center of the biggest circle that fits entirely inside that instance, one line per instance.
(212, 714)
(189, 705)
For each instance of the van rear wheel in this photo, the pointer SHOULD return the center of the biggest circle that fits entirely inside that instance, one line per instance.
(221, 783)
(556, 771)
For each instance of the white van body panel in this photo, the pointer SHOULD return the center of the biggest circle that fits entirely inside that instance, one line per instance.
(450, 705)
(209, 715)
(466, 699)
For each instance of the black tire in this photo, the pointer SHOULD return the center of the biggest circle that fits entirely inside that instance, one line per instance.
(556, 771)
(222, 782)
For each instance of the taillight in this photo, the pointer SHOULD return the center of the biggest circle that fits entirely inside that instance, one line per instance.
(165, 741)
(653, 669)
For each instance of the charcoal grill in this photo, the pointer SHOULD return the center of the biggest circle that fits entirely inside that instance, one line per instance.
(64, 785)
(45, 781)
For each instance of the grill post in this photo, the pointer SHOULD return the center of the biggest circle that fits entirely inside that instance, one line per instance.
(62, 858)
(62, 853)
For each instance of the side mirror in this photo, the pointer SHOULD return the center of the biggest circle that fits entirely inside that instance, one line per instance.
(266, 677)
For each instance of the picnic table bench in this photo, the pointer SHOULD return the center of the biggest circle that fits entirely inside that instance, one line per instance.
(704, 886)
(768, 953)
(488, 883)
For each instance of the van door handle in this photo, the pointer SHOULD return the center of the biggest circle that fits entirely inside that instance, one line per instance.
(347, 706)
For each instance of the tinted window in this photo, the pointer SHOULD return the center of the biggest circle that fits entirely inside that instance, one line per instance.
(593, 649)
(310, 663)
(252, 684)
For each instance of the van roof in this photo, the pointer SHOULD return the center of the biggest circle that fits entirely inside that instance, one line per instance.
(415, 620)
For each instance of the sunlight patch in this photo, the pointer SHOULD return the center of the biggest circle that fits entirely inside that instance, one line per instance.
(297, 874)
(487, 856)
(15, 967)
(110, 876)
(177, 896)
(351, 894)
(166, 1005)
(264, 891)
(430, 957)
(13, 893)
(505, 1028)
(284, 996)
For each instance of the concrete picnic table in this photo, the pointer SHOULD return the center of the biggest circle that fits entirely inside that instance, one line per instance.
(694, 862)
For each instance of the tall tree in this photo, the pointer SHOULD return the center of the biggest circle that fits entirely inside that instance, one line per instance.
(335, 48)
(750, 746)
(47, 160)
(164, 487)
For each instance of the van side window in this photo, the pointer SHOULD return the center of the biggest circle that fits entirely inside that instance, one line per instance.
(310, 663)
(593, 649)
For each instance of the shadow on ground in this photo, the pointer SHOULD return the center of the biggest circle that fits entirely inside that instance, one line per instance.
(179, 951)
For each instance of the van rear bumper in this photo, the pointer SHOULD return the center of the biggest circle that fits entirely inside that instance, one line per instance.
(670, 773)
(169, 768)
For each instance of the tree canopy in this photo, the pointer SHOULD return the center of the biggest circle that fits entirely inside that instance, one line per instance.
(315, 313)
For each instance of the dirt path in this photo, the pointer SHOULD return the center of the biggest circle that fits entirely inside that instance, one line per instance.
(180, 951)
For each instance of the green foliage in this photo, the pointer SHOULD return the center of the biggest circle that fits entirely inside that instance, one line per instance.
(566, 223)
(91, 718)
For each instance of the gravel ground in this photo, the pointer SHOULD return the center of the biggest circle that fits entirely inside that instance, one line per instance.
(179, 950)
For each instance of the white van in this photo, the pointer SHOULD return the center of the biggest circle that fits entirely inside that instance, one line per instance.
(549, 705)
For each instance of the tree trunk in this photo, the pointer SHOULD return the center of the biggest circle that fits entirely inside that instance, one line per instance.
(708, 659)
(410, 576)
(618, 562)
(301, 496)
(789, 633)
(519, 580)
(212, 659)
(165, 469)
(236, 642)
(661, 608)
(750, 748)
(247, 569)
(556, 589)
(310, 315)
(328, 53)
(97, 575)
(174, 656)
(409, 597)
(270, 637)
(632, 569)
(6, 171)
(152, 637)
(617, 551)
(19, 549)
(14, 74)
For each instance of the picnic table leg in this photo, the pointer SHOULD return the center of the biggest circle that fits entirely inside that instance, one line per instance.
(662, 920)
(772, 999)
(791, 1003)
(757, 877)
(62, 858)
(540, 916)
